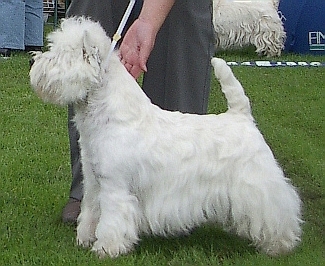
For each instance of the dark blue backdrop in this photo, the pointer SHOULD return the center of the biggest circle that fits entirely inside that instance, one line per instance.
(304, 23)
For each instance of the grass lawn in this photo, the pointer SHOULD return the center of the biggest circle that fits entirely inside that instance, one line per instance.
(288, 104)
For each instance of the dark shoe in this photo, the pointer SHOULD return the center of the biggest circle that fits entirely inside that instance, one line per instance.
(71, 211)
(33, 48)
(5, 52)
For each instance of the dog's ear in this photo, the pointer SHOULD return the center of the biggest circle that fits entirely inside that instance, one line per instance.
(91, 53)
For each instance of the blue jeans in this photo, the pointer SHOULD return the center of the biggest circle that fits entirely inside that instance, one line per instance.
(21, 23)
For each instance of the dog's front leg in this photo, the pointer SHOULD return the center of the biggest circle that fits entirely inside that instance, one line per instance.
(90, 212)
(118, 226)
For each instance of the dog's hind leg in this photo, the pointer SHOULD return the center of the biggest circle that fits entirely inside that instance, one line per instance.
(265, 208)
(118, 226)
(90, 212)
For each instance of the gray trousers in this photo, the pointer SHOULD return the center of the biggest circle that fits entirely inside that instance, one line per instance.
(179, 71)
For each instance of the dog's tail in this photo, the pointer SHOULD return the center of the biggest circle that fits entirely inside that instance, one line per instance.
(237, 101)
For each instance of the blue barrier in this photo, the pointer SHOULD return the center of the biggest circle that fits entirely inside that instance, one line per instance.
(304, 23)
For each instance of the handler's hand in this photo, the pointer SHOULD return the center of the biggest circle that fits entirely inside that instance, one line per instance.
(136, 47)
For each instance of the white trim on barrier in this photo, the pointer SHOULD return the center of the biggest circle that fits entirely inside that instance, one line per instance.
(277, 64)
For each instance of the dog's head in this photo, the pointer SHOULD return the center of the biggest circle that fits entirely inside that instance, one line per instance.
(72, 65)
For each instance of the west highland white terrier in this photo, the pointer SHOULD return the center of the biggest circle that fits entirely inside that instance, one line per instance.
(147, 170)
(238, 24)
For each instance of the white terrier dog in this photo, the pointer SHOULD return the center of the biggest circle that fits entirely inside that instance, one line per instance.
(147, 170)
(239, 24)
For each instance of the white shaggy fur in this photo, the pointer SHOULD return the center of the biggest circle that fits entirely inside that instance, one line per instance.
(239, 24)
(147, 170)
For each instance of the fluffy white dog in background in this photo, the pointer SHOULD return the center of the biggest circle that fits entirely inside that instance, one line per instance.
(239, 24)
(147, 170)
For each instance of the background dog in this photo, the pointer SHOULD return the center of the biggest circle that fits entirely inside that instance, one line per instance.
(147, 170)
(239, 24)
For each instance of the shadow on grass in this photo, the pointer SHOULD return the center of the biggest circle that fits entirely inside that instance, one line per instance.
(208, 241)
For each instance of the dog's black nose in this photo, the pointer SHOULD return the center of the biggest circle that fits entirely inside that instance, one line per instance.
(31, 62)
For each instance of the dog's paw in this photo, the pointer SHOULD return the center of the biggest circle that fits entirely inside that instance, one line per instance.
(85, 240)
(111, 249)
(86, 228)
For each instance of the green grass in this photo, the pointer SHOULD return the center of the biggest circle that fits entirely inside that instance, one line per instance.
(288, 104)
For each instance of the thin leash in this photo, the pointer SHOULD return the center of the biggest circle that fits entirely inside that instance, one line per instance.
(117, 36)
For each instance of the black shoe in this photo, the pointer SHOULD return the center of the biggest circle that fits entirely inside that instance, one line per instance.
(4, 52)
(30, 48)
(71, 211)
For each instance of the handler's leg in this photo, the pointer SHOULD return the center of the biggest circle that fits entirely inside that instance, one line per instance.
(108, 14)
(179, 70)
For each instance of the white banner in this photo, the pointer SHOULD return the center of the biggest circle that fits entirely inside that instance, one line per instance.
(277, 64)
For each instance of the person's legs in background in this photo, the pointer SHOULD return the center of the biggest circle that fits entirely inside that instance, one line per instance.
(34, 24)
(12, 26)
